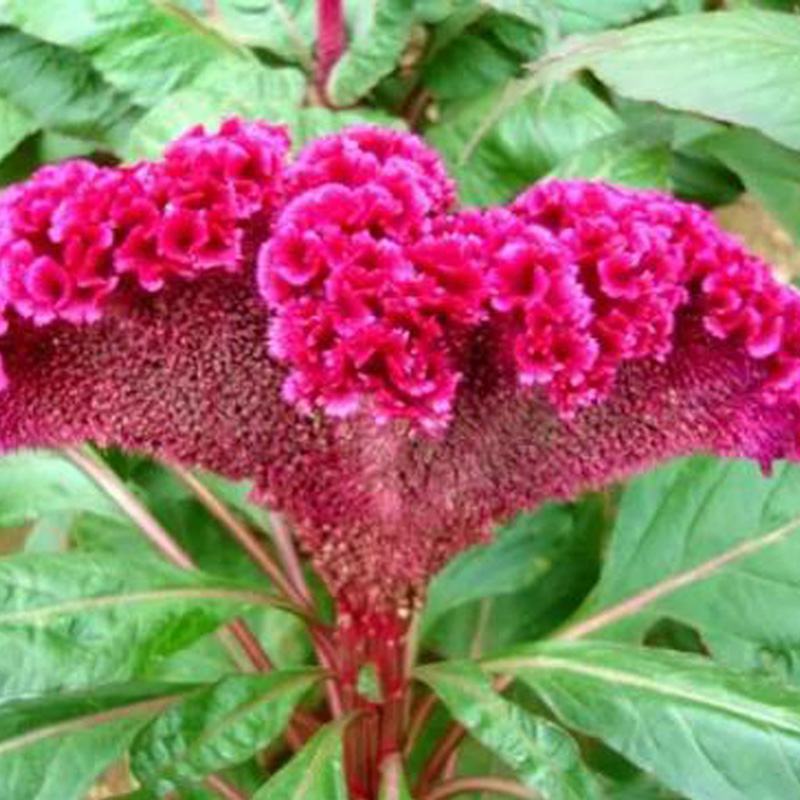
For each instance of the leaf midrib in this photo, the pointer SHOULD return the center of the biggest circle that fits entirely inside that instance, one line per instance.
(71, 607)
(616, 676)
(90, 721)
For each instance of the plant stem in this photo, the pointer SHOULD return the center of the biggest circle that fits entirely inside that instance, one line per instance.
(481, 784)
(331, 41)
(418, 720)
(111, 484)
(238, 531)
(284, 544)
(441, 755)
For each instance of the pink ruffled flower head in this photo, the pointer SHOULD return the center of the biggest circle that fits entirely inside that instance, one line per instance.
(190, 213)
(368, 295)
(396, 376)
(56, 243)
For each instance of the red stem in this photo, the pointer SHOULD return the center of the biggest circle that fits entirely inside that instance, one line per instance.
(240, 532)
(331, 41)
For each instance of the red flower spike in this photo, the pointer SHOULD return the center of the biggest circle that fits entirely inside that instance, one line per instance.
(395, 377)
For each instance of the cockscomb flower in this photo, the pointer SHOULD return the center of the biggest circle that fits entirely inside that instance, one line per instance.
(393, 373)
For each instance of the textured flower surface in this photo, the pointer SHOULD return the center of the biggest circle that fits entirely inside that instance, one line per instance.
(395, 374)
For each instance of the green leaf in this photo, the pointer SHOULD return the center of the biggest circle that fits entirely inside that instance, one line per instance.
(316, 771)
(468, 66)
(381, 29)
(712, 544)
(525, 142)
(54, 747)
(737, 66)
(218, 727)
(521, 555)
(768, 170)
(146, 49)
(15, 125)
(578, 16)
(224, 88)
(542, 755)
(284, 27)
(35, 483)
(61, 90)
(73, 620)
(627, 158)
(704, 731)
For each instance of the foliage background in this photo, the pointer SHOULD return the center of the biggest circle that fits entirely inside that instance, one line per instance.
(700, 556)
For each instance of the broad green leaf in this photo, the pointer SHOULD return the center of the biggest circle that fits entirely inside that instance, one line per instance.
(737, 66)
(217, 727)
(224, 88)
(526, 141)
(521, 555)
(146, 49)
(35, 483)
(15, 125)
(712, 544)
(284, 27)
(73, 620)
(571, 16)
(61, 90)
(768, 170)
(316, 771)
(393, 780)
(54, 747)
(542, 755)
(625, 158)
(467, 67)
(704, 731)
(381, 29)
(577, 16)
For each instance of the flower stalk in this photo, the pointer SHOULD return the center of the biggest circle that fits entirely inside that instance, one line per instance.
(331, 42)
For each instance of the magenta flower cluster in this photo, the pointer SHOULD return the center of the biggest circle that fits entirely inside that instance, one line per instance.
(394, 373)
(375, 286)
(70, 234)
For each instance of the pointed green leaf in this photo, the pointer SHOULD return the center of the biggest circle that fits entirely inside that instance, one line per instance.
(316, 771)
(380, 32)
(54, 747)
(527, 140)
(737, 66)
(73, 620)
(542, 755)
(218, 727)
(713, 544)
(706, 732)
(520, 555)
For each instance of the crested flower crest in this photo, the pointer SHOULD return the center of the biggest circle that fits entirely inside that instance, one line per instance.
(395, 373)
